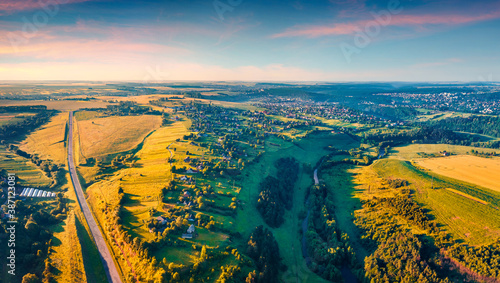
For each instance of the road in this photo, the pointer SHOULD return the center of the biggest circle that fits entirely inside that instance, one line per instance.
(106, 258)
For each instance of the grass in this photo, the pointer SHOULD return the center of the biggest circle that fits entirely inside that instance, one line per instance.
(308, 150)
(467, 196)
(339, 181)
(66, 253)
(87, 115)
(94, 268)
(48, 142)
(178, 255)
(481, 171)
(338, 123)
(464, 218)
(103, 136)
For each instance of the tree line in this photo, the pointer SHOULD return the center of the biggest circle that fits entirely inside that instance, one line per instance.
(485, 125)
(13, 130)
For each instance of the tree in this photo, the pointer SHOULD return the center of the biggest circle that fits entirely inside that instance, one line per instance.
(176, 276)
(203, 253)
(30, 278)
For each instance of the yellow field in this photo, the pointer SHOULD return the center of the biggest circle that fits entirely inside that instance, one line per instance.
(103, 136)
(63, 105)
(48, 141)
(476, 170)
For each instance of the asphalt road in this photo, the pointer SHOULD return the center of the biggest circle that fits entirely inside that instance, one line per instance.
(106, 258)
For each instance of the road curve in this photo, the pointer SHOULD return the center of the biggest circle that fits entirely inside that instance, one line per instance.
(106, 258)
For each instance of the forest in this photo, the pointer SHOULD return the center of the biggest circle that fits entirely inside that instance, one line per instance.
(276, 194)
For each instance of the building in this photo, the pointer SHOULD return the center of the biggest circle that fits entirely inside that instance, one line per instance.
(187, 236)
(162, 220)
(191, 229)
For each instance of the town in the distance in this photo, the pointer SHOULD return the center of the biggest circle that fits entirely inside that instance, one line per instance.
(251, 182)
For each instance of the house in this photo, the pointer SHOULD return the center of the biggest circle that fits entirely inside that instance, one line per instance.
(191, 229)
(162, 220)
(186, 194)
(191, 171)
(187, 159)
(187, 236)
(183, 178)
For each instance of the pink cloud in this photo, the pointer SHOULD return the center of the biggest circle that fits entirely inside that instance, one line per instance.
(416, 21)
(11, 6)
(109, 50)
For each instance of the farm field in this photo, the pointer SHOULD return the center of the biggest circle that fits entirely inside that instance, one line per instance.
(12, 118)
(463, 217)
(48, 142)
(414, 151)
(476, 170)
(104, 136)
(62, 105)
(26, 172)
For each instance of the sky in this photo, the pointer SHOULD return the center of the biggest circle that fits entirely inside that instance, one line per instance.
(243, 40)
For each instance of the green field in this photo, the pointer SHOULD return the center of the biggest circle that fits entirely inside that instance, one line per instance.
(12, 118)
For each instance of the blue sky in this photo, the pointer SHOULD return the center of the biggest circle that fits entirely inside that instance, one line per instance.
(335, 40)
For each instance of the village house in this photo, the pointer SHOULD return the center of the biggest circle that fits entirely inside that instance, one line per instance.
(162, 220)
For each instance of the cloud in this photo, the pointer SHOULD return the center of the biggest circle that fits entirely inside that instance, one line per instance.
(12, 6)
(90, 49)
(416, 21)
